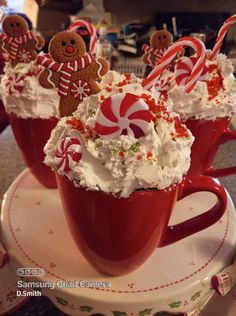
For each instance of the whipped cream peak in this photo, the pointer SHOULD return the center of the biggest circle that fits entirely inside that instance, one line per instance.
(22, 68)
(157, 158)
(211, 98)
(22, 94)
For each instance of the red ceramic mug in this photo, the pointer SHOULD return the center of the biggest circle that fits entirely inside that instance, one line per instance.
(31, 135)
(116, 235)
(209, 135)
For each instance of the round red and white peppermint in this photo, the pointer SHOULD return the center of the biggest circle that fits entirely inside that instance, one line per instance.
(80, 89)
(15, 84)
(24, 56)
(68, 154)
(123, 114)
(184, 68)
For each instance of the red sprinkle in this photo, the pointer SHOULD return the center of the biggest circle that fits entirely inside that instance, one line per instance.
(121, 154)
(76, 124)
(215, 84)
(181, 131)
(164, 95)
(127, 76)
(149, 155)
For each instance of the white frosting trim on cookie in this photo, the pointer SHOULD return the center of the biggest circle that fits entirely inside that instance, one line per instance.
(49, 79)
(99, 68)
(37, 43)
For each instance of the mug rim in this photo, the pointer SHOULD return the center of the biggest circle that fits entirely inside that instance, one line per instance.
(228, 118)
(173, 186)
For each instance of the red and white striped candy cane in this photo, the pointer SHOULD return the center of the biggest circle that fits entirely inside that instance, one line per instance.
(221, 35)
(184, 67)
(170, 54)
(93, 35)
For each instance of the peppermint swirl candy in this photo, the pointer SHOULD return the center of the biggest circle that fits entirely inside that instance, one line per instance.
(15, 84)
(68, 154)
(123, 114)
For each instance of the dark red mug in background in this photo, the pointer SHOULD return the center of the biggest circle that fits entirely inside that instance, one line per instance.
(116, 235)
(209, 135)
(31, 135)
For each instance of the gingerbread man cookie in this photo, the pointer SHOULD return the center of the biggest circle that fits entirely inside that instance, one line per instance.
(18, 42)
(159, 42)
(69, 68)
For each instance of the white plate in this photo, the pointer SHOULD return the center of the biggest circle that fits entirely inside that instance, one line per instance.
(174, 279)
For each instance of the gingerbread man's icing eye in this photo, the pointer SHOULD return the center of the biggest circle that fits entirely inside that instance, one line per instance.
(159, 37)
(72, 42)
(164, 36)
(11, 25)
(17, 24)
(63, 43)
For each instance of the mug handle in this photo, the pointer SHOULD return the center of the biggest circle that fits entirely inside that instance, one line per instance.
(193, 225)
(226, 136)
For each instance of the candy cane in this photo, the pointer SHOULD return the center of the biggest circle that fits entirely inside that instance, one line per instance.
(170, 54)
(221, 35)
(183, 69)
(92, 32)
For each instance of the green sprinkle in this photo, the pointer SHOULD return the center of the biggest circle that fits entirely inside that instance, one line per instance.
(122, 149)
(91, 112)
(114, 151)
(135, 147)
(98, 145)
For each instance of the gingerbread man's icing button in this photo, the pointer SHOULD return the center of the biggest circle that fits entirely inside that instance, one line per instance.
(80, 89)
(18, 42)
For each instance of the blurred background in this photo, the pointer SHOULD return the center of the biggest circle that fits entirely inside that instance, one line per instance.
(123, 26)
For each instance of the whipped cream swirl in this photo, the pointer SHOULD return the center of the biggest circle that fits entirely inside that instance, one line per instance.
(125, 163)
(22, 94)
(210, 99)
